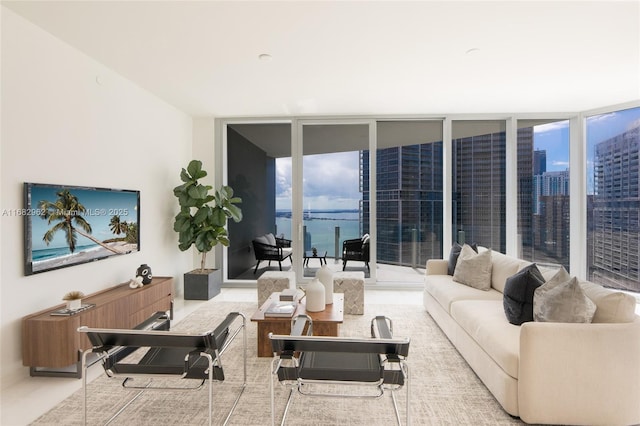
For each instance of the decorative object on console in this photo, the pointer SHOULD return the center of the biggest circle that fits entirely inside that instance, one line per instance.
(62, 224)
(73, 299)
(202, 222)
(325, 276)
(136, 282)
(315, 296)
(144, 271)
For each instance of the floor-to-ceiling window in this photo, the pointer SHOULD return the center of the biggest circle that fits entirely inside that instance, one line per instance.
(332, 199)
(543, 191)
(408, 178)
(613, 198)
(408, 192)
(478, 149)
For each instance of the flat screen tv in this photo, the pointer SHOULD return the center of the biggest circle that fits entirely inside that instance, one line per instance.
(68, 225)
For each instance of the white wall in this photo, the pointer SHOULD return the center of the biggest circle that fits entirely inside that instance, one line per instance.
(60, 125)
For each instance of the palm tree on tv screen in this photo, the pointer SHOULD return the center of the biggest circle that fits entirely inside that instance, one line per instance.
(117, 226)
(129, 229)
(67, 211)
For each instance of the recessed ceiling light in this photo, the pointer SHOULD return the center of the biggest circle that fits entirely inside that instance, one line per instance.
(265, 57)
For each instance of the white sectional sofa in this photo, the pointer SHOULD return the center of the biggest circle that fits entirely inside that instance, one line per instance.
(543, 372)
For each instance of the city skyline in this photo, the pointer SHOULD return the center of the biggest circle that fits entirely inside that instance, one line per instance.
(331, 180)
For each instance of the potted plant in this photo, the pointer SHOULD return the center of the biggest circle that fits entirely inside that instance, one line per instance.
(202, 222)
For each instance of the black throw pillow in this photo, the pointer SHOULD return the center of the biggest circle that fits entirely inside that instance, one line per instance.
(518, 294)
(454, 254)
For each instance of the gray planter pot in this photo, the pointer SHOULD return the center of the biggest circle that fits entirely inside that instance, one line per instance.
(204, 286)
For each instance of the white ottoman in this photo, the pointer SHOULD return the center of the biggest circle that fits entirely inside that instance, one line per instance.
(352, 285)
(273, 281)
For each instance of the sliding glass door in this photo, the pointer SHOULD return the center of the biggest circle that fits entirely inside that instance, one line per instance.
(332, 204)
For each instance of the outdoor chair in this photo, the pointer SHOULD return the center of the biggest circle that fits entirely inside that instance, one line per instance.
(328, 366)
(268, 247)
(356, 249)
(151, 351)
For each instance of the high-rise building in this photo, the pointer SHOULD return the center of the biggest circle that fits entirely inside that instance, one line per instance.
(539, 159)
(479, 189)
(616, 211)
(409, 206)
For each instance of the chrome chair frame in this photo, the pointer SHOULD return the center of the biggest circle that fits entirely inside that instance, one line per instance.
(113, 345)
(391, 352)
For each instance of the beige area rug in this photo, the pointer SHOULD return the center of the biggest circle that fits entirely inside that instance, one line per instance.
(444, 390)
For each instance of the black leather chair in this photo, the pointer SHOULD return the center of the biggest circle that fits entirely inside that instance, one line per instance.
(356, 249)
(268, 247)
(320, 365)
(165, 353)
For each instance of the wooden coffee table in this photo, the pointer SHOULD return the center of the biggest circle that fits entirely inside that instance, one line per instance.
(325, 323)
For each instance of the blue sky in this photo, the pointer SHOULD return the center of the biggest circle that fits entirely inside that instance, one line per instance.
(553, 138)
(98, 204)
(331, 180)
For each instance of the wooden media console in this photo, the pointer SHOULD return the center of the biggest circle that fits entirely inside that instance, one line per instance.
(51, 345)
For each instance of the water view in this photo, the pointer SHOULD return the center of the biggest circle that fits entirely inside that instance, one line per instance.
(321, 228)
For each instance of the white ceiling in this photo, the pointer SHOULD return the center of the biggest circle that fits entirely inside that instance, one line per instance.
(362, 57)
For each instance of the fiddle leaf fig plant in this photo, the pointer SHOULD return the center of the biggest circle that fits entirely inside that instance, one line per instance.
(203, 216)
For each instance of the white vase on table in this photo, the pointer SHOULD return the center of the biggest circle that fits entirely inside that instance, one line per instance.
(315, 296)
(325, 275)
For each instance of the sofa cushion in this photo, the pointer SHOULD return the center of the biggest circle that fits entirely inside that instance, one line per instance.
(563, 302)
(454, 253)
(262, 239)
(503, 267)
(518, 294)
(484, 321)
(473, 269)
(446, 291)
(611, 306)
(271, 239)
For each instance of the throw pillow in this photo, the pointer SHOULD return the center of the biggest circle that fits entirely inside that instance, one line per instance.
(518, 294)
(453, 256)
(473, 269)
(560, 276)
(262, 239)
(564, 302)
(271, 239)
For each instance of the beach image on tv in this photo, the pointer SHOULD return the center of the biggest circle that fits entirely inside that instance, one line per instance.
(71, 225)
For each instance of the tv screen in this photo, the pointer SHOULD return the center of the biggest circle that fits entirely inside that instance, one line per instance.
(67, 225)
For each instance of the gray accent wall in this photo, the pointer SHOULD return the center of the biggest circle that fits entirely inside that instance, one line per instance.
(252, 176)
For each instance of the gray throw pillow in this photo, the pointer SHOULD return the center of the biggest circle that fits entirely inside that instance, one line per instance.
(453, 256)
(473, 269)
(518, 294)
(559, 277)
(563, 302)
